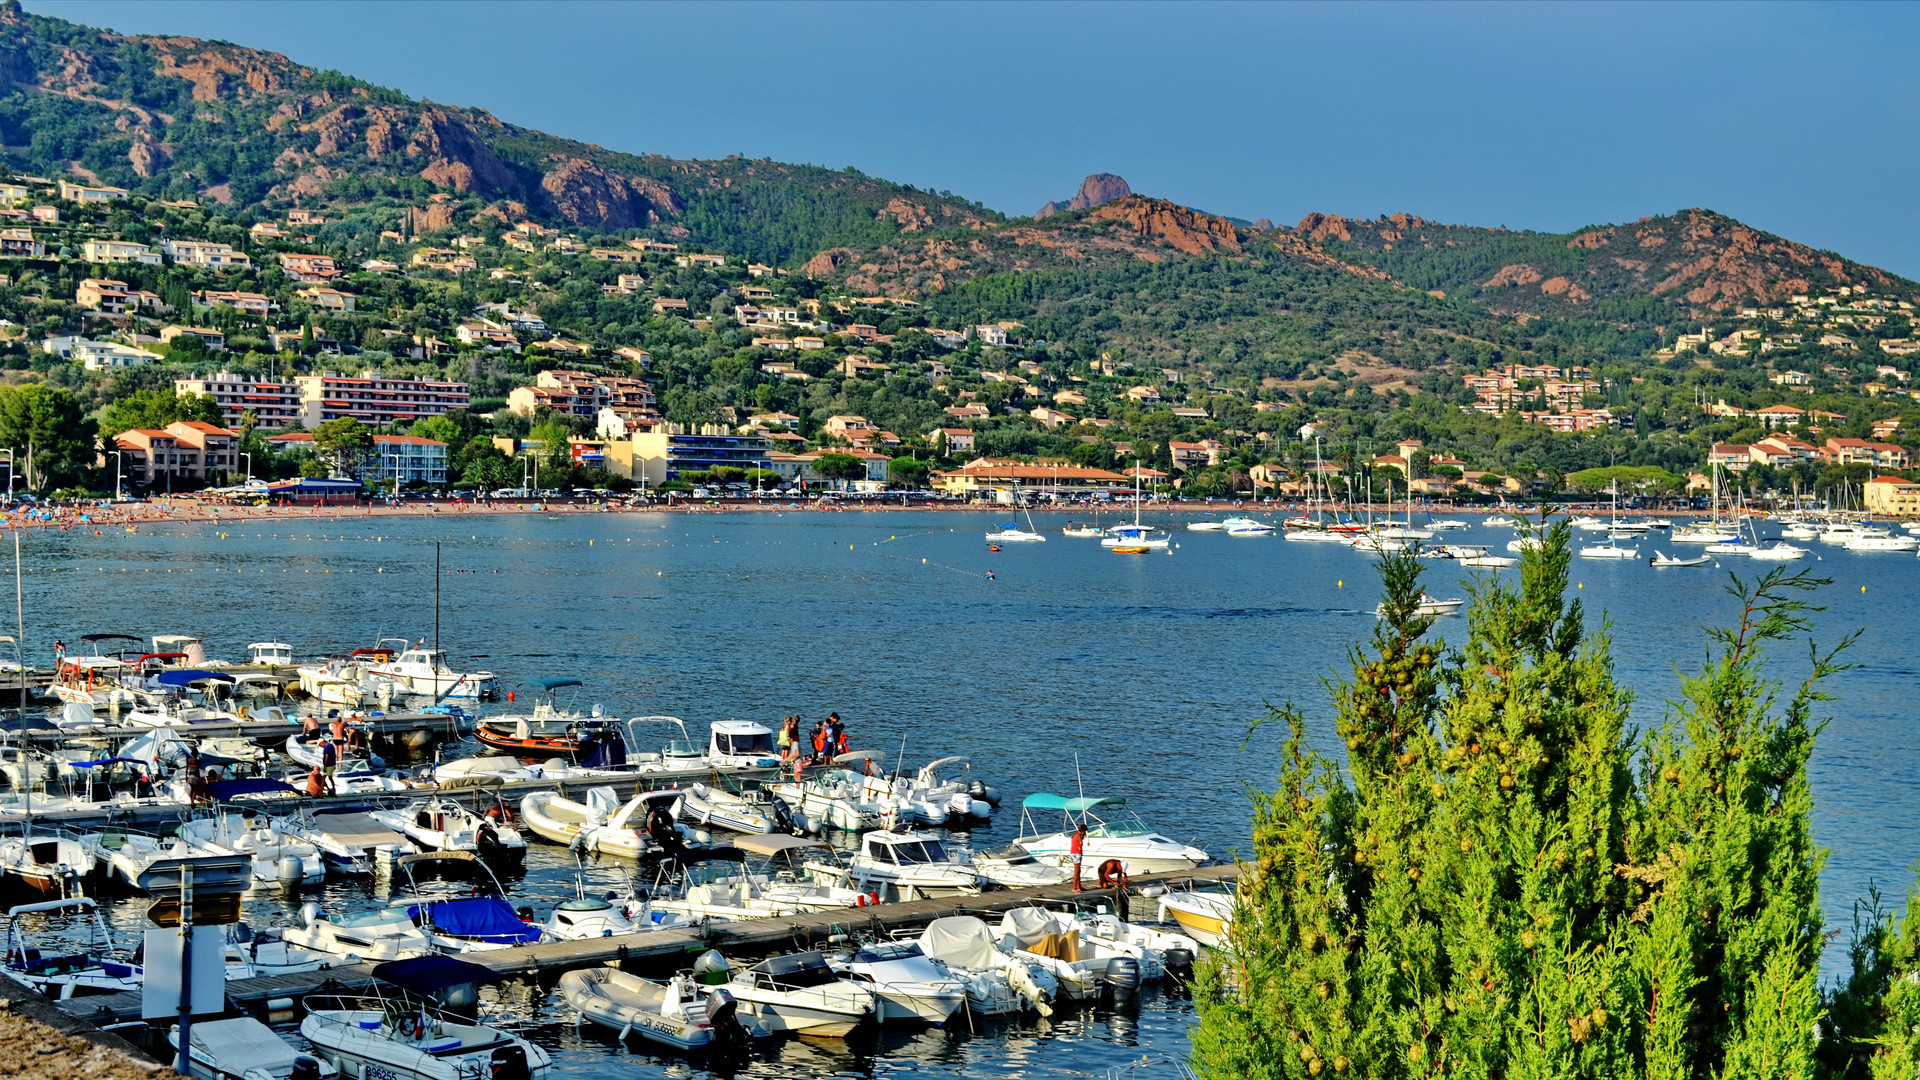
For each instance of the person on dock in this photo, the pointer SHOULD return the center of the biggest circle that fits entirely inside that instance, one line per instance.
(836, 735)
(329, 761)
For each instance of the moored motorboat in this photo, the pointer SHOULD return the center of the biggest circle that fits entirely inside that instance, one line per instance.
(908, 984)
(243, 1048)
(1661, 558)
(400, 1034)
(603, 824)
(1206, 915)
(1113, 832)
(798, 992)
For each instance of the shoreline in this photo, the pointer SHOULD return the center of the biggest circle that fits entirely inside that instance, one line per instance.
(188, 510)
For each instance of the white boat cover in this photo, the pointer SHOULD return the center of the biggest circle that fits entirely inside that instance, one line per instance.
(358, 831)
(240, 1045)
(1030, 925)
(604, 800)
(963, 941)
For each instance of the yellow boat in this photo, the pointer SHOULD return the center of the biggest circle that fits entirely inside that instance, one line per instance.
(1128, 550)
(1206, 916)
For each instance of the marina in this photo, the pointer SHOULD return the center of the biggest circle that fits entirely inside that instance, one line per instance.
(696, 618)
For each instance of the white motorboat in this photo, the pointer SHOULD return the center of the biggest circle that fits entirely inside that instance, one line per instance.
(838, 797)
(92, 681)
(278, 859)
(424, 672)
(387, 933)
(439, 823)
(740, 744)
(1660, 558)
(1800, 530)
(1446, 523)
(97, 968)
(1083, 963)
(1846, 532)
(1609, 550)
(1207, 915)
(243, 1048)
(716, 883)
(1883, 543)
(1206, 526)
(1777, 551)
(350, 840)
(1014, 867)
(1702, 534)
(1428, 608)
(1249, 527)
(308, 752)
(997, 982)
(910, 985)
(678, 1013)
(402, 1036)
(1378, 543)
(1075, 530)
(1112, 832)
(1013, 534)
(798, 992)
(1523, 544)
(592, 917)
(1732, 547)
(51, 864)
(129, 856)
(902, 866)
(603, 824)
(1498, 521)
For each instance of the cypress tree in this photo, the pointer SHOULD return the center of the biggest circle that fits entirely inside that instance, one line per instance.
(1501, 883)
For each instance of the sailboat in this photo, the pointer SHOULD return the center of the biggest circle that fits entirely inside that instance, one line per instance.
(1134, 538)
(1011, 533)
(1404, 530)
(1707, 533)
(1312, 528)
(1611, 549)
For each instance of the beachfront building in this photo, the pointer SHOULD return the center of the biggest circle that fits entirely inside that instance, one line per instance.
(1893, 496)
(671, 450)
(375, 399)
(181, 456)
(411, 458)
(274, 404)
(990, 478)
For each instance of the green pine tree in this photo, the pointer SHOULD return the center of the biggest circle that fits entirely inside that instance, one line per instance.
(1499, 885)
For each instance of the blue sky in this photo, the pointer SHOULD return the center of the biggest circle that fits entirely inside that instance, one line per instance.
(1802, 120)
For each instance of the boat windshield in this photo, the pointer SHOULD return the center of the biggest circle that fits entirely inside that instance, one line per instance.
(1121, 826)
(918, 851)
(741, 743)
(713, 870)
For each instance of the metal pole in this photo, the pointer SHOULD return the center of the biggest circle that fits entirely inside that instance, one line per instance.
(186, 966)
(436, 597)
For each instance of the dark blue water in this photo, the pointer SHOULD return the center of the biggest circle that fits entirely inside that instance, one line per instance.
(1056, 666)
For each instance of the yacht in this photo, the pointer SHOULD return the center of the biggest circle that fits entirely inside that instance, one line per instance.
(1883, 543)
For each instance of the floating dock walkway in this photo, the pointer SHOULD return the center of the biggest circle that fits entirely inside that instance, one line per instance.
(662, 951)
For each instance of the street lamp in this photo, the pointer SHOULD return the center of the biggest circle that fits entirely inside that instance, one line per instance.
(249, 458)
(119, 456)
(9, 454)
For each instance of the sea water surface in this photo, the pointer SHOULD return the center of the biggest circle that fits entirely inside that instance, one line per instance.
(1056, 666)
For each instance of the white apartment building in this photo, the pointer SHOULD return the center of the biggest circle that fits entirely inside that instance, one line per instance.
(275, 403)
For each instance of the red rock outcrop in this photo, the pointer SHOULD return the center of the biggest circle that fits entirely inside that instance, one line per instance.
(1564, 288)
(456, 158)
(827, 262)
(586, 194)
(1099, 190)
(1514, 275)
(1184, 229)
(1592, 240)
(1320, 227)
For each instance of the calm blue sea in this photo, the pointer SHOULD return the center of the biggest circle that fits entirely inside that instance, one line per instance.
(1057, 666)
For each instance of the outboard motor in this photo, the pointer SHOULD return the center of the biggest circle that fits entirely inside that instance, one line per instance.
(1179, 963)
(311, 913)
(305, 1068)
(289, 870)
(1122, 977)
(984, 792)
(783, 817)
(712, 969)
(509, 1063)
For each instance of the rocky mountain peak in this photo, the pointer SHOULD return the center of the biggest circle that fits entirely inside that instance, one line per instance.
(1096, 190)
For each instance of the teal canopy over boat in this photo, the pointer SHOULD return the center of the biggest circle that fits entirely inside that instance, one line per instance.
(551, 684)
(1041, 800)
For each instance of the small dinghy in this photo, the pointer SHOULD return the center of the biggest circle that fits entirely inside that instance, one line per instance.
(642, 826)
(678, 1013)
(400, 1033)
(244, 1049)
(1660, 558)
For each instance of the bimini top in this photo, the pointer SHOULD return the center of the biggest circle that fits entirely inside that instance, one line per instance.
(1043, 801)
(424, 975)
(189, 676)
(551, 684)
